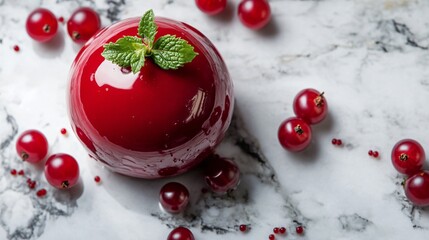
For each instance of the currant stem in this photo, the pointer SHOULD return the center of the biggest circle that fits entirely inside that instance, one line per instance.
(24, 156)
(46, 28)
(76, 35)
(298, 129)
(319, 99)
(403, 157)
(65, 184)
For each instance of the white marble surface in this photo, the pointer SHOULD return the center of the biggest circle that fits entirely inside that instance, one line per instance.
(369, 56)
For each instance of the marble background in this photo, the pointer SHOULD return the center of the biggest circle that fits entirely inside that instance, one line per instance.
(369, 56)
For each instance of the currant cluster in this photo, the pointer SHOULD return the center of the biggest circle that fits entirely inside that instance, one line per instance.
(42, 25)
(336, 141)
(373, 154)
(221, 175)
(310, 107)
(408, 157)
(182, 233)
(277, 230)
(282, 230)
(254, 14)
(61, 170)
(30, 183)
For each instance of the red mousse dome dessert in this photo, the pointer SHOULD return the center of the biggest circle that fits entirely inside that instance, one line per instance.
(152, 107)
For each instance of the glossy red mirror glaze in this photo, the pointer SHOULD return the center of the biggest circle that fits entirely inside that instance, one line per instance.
(157, 122)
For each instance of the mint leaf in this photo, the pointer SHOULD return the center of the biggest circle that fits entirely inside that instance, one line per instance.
(126, 52)
(137, 60)
(147, 28)
(168, 52)
(171, 52)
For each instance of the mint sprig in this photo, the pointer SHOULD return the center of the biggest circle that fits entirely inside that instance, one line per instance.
(168, 52)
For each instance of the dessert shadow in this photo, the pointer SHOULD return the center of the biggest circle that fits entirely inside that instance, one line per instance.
(225, 16)
(52, 48)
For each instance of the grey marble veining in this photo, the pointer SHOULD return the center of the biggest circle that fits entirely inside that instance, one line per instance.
(371, 59)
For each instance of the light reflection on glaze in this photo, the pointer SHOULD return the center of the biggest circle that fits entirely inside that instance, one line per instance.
(112, 75)
(197, 104)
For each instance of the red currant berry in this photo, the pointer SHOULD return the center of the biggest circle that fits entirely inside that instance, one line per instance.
(276, 230)
(417, 188)
(32, 146)
(243, 228)
(254, 14)
(16, 48)
(174, 197)
(339, 142)
(294, 134)
(408, 156)
(83, 24)
(62, 171)
(13, 172)
(61, 19)
(282, 230)
(310, 105)
(21, 172)
(181, 233)
(370, 153)
(271, 237)
(42, 25)
(334, 141)
(211, 7)
(32, 184)
(375, 154)
(221, 174)
(97, 179)
(63, 131)
(299, 230)
(41, 193)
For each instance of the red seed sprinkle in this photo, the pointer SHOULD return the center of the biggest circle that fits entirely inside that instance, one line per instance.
(334, 141)
(21, 172)
(243, 228)
(41, 193)
(61, 19)
(63, 131)
(16, 48)
(13, 172)
(370, 153)
(32, 184)
(282, 230)
(299, 230)
(376, 154)
(271, 237)
(339, 142)
(97, 179)
(276, 230)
